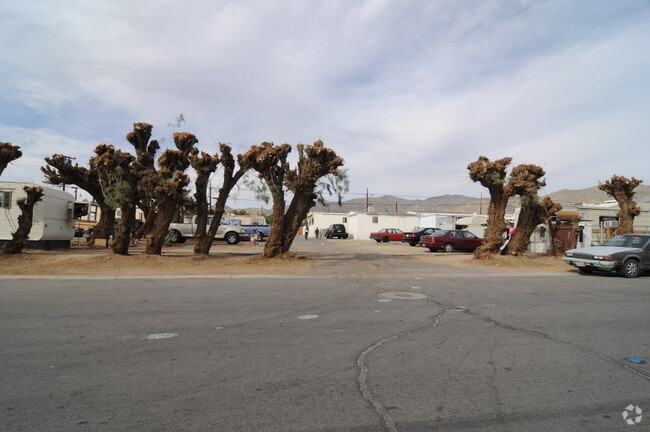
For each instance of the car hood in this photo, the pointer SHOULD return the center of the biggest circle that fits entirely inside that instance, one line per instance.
(601, 250)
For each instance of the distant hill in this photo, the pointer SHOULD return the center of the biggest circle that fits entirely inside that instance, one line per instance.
(595, 195)
(392, 204)
(458, 203)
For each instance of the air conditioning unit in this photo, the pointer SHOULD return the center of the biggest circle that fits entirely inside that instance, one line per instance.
(610, 224)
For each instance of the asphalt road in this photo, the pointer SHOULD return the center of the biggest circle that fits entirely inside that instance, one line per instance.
(329, 351)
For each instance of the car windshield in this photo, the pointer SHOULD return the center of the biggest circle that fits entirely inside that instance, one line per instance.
(439, 233)
(631, 241)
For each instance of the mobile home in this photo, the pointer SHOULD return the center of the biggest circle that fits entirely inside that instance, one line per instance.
(54, 215)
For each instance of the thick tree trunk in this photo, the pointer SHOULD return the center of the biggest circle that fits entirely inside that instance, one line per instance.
(529, 218)
(201, 207)
(149, 220)
(20, 238)
(296, 214)
(122, 239)
(274, 244)
(105, 225)
(203, 244)
(629, 210)
(164, 216)
(496, 224)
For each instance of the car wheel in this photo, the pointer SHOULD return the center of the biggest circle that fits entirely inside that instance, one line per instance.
(175, 236)
(232, 238)
(449, 247)
(432, 249)
(413, 244)
(584, 270)
(345, 236)
(385, 239)
(630, 268)
(378, 240)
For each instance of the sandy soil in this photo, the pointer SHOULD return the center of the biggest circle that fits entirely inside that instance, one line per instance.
(84, 261)
(244, 259)
(523, 263)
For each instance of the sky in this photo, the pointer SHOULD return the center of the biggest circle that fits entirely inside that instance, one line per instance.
(408, 92)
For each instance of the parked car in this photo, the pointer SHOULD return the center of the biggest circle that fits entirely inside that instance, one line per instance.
(336, 230)
(451, 240)
(387, 234)
(628, 254)
(413, 237)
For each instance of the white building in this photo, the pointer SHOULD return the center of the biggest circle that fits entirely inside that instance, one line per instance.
(359, 225)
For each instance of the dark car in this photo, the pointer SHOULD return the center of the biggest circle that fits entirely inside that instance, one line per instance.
(628, 254)
(336, 230)
(451, 240)
(413, 237)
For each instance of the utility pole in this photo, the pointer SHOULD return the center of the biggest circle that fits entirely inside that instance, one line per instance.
(366, 200)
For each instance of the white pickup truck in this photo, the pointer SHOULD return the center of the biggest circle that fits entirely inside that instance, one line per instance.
(179, 232)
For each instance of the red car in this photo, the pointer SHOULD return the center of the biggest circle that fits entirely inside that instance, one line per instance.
(387, 234)
(451, 240)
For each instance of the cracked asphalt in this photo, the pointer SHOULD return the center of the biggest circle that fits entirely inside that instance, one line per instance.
(485, 350)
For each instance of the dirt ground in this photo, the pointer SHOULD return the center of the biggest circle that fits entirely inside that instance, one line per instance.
(522, 263)
(242, 259)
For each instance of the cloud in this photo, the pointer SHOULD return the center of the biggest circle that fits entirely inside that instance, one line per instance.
(407, 92)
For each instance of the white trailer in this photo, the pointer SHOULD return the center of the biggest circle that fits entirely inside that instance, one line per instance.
(54, 215)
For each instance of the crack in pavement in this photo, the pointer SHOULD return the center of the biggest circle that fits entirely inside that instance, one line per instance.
(379, 408)
(551, 338)
(366, 392)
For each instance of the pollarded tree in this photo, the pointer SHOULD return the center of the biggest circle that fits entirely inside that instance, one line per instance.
(145, 152)
(270, 161)
(314, 162)
(169, 191)
(60, 170)
(117, 174)
(204, 165)
(231, 175)
(19, 239)
(492, 175)
(622, 190)
(525, 182)
(8, 153)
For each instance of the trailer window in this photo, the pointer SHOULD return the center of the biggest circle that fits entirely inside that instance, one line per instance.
(5, 199)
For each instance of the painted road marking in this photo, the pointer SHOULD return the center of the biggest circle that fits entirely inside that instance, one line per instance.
(161, 336)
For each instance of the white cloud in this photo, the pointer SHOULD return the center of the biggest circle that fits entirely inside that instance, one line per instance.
(407, 92)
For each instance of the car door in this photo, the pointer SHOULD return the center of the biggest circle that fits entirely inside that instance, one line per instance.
(645, 256)
(471, 241)
(456, 239)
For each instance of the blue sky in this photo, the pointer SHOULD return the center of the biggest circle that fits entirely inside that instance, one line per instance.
(407, 92)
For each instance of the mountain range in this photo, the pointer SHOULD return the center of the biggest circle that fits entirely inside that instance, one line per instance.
(461, 203)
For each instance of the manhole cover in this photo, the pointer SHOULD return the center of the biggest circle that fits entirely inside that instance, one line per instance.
(402, 295)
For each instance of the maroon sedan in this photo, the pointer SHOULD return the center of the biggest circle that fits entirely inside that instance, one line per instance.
(387, 234)
(451, 240)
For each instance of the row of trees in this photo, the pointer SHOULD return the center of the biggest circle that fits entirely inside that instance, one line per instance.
(118, 179)
(525, 181)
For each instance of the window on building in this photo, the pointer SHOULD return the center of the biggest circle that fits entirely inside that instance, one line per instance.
(5, 199)
(345, 219)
